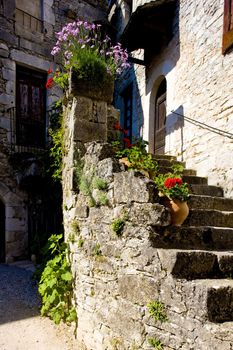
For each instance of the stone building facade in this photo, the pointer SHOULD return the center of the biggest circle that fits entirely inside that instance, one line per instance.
(182, 87)
(26, 39)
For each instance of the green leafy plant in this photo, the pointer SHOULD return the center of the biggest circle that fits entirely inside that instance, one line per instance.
(157, 311)
(80, 242)
(118, 224)
(96, 250)
(78, 169)
(156, 343)
(136, 153)
(56, 283)
(100, 184)
(56, 132)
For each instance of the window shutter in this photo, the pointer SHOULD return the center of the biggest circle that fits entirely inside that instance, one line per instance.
(227, 42)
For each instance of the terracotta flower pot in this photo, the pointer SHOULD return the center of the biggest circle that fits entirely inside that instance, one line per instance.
(179, 210)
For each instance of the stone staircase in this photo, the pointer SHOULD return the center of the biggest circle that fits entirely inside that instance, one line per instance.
(200, 252)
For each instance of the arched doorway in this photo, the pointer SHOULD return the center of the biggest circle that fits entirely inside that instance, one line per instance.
(2, 232)
(160, 118)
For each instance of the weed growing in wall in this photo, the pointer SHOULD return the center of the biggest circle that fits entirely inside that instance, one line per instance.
(155, 343)
(99, 184)
(96, 250)
(157, 311)
(87, 187)
(119, 224)
(56, 284)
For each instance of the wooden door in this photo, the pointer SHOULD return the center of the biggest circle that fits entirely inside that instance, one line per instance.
(2, 232)
(160, 124)
(30, 108)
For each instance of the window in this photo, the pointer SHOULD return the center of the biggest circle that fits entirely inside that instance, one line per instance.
(227, 42)
(160, 118)
(127, 96)
(30, 108)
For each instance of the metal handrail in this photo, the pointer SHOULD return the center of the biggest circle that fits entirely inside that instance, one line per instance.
(205, 126)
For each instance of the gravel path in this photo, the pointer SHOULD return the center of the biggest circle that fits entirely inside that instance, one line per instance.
(21, 326)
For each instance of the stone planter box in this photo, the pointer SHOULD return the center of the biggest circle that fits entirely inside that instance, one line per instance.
(92, 89)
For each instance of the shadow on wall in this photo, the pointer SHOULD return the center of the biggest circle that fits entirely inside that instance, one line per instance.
(175, 122)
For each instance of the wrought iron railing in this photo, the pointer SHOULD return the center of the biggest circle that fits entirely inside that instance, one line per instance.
(27, 135)
(27, 20)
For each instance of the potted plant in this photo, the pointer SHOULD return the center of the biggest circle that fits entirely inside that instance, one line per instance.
(174, 193)
(90, 60)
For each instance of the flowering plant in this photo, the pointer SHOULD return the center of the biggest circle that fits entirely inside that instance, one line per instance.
(92, 56)
(172, 186)
(137, 156)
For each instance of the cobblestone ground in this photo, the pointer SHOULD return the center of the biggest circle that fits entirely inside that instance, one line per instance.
(21, 326)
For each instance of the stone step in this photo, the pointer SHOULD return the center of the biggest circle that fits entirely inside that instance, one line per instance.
(197, 264)
(206, 190)
(164, 170)
(163, 156)
(192, 179)
(209, 217)
(169, 162)
(203, 237)
(208, 202)
(210, 300)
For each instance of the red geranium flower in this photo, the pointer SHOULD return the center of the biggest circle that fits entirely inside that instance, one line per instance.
(49, 83)
(171, 182)
(127, 142)
(117, 126)
(49, 71)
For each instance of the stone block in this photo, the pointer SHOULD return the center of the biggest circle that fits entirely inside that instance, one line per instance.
(87, 131)
(32, 60)
(8, 38)
(82, 211)
(89, 110)
(8, 74)
(49, 16)
(149, 214)
(107, 167)
(42, 49)
(4, 51)
(138, 289)
(10, 87)
(132, 186)
(6, 99)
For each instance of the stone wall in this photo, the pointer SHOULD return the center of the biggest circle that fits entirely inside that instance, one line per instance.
(112, 220)
(27, 41)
